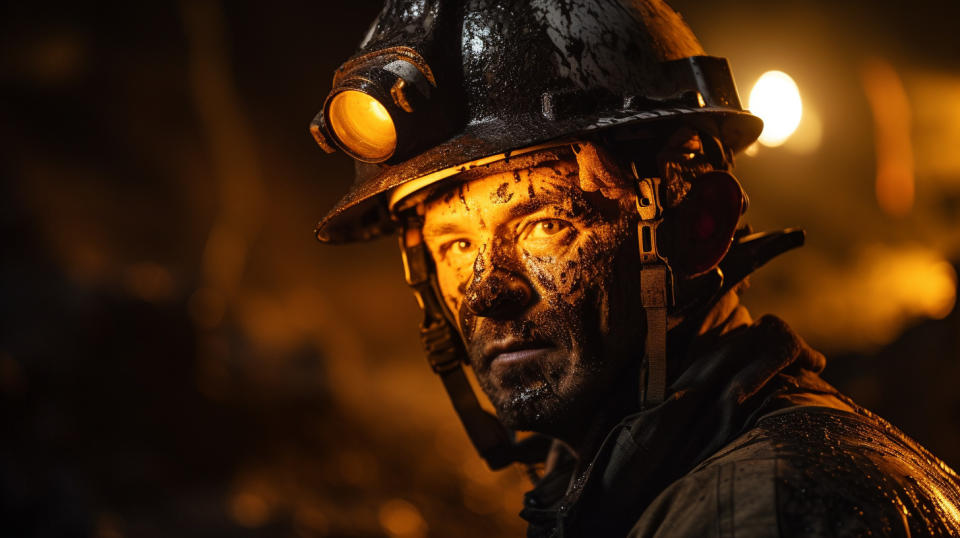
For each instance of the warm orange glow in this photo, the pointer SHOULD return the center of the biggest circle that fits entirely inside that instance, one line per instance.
(935, 108)
(401, 519)
(775, 98)
(892, 122)
(249, 509)
(936, 289)
(870, 299)
(361, 123)
(808, 135)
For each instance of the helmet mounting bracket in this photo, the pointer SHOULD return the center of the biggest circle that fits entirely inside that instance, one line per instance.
(656, 290)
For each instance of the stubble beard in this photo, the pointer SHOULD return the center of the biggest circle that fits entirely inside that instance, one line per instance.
(549, 395)
(531, 404)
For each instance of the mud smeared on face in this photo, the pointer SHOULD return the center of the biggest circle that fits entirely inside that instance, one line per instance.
(502, 195)
(543, 279)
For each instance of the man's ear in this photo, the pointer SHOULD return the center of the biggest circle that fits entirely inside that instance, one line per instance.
(699, 231)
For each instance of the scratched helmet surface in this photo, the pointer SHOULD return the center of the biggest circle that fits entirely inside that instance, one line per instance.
(466, 80)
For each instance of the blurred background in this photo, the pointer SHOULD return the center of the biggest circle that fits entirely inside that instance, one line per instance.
(179, 357)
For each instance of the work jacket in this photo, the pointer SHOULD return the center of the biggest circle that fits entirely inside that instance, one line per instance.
(749, 443)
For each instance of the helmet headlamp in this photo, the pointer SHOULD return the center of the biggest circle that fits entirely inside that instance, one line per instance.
(362, 124)
(378, 106)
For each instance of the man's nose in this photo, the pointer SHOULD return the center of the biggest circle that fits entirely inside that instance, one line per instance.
(499, 294)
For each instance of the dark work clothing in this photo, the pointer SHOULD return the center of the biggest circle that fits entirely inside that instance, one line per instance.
(751, 443)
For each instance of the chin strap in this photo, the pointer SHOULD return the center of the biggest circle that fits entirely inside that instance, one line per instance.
(446, 356)
(656, 283)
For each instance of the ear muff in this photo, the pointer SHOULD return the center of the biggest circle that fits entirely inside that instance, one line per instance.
(698, 232)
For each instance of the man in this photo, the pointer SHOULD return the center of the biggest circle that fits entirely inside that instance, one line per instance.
(559, 174)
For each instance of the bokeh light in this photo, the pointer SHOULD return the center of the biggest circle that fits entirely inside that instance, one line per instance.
(895, 182)
(869, 298)
(401, 519)
(775, 98)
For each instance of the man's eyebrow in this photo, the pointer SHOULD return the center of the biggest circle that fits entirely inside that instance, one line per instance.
(444, 228)
(553, 199)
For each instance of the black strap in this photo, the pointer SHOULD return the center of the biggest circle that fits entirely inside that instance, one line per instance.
(445, 353)
(653, 282)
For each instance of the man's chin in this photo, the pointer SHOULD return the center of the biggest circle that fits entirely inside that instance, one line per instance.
(535, 408)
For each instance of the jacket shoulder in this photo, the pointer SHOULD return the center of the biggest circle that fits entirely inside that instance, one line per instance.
(812, 471)
(849, 474)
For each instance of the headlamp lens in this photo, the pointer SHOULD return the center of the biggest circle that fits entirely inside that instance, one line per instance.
(362, 124)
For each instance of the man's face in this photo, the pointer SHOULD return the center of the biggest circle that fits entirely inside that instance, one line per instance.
(542, 278)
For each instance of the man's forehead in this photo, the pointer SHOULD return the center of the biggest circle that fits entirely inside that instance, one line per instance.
(507, 196)
(507, 185)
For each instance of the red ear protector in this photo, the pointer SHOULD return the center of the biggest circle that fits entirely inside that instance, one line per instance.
(701, 229)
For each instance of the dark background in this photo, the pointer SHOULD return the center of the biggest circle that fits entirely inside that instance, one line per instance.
(179, 357)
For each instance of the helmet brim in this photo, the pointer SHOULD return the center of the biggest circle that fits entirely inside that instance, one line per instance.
(363, 214)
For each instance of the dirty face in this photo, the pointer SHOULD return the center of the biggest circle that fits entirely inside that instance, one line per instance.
(542, 278)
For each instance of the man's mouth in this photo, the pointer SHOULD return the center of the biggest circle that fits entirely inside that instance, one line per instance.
(511, 351)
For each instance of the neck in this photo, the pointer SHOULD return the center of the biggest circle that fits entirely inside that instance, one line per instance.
(621, 400)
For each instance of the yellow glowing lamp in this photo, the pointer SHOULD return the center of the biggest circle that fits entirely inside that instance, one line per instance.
(362, 125)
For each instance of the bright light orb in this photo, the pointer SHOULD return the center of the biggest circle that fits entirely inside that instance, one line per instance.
(775, 98)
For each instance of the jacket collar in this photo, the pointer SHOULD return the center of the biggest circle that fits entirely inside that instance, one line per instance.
(730, 374)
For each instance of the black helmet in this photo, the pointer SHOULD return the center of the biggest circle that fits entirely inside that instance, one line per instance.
(441, 85)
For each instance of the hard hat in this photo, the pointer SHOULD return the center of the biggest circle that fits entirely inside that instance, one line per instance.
(439, 86)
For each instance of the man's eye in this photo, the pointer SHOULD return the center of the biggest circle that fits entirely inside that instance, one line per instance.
(688, 149)
(545, 228)
(458, 247)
